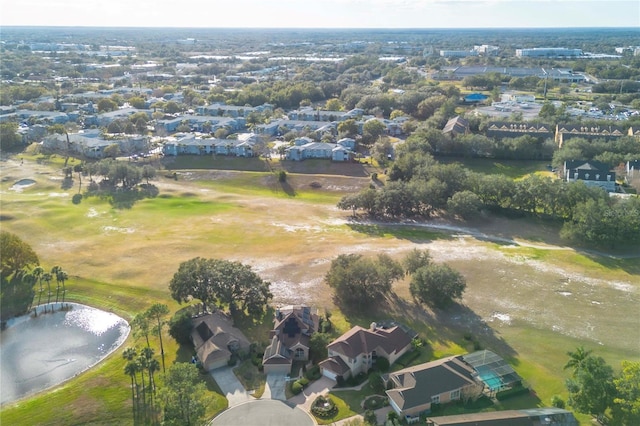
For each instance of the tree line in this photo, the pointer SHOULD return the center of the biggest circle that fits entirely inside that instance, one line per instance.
(420, 187)
(22, 277)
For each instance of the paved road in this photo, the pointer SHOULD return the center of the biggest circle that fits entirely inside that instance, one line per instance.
(263, 412)
(230, 386)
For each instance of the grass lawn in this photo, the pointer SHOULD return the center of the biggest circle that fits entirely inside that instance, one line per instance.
(510, 168)
(344, 411)
(528, 304)
(251, 378)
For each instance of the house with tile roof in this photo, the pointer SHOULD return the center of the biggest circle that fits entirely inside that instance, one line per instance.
(416, 388)
(215, 339)
(289, 338)
(356, 351)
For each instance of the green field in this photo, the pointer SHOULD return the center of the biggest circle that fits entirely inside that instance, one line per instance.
(530, 303)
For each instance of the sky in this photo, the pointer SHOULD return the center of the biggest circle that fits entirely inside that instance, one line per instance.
(323, 13)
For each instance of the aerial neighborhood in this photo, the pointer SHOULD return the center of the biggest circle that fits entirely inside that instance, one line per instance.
(302, 227)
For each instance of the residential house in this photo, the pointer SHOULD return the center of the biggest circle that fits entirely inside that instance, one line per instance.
(415, 389)
(356, 351)
(592, 173)
(525, 417)
(215, 339)
(292, 330)
(456, 126)
(501, 129)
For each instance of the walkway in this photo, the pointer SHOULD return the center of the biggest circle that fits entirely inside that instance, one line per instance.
(322, 386)
(231, 386)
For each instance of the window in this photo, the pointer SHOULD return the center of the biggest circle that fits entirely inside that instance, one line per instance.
(455, 395)
(435, 399)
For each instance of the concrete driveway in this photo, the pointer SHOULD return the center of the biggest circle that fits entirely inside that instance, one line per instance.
(230, 385)
(274, 389)
(322, 386)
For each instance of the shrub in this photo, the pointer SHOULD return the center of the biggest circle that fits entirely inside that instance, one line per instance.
(282, 176)
(510, 393)
(382, 364)
(370, 417)
(313, 373)
(557, 401)
(76, 199)
(180, 327)
(296, 388)
(324, 407)
(303, 381)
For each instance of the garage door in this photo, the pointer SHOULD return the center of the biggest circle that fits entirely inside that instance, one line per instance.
(277, 369)
(329, 374)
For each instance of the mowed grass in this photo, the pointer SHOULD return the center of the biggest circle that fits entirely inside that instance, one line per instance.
(123, 259)
(510, 168)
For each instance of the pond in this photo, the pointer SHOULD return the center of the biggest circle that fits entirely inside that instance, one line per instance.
(37, 353)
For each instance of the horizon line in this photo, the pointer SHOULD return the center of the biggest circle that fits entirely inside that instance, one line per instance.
(315, 28)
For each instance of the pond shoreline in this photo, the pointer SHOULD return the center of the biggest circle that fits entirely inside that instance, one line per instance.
(41, 352)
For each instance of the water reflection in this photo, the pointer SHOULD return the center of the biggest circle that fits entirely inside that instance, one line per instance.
(37, 353)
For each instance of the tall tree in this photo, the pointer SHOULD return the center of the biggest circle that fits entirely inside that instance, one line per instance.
(157, 312)
(38, 272)
(626, 404)
(183, 396)
(437, 285)
(360, 281)
(47, 277)
(591, 388)
(577, 359)
(221, 281)
(16, 254)
(140, 324)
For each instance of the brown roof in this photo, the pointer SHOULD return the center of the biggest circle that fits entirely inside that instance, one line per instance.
(212, 336)
(276, 353)
(336, 365)
(360, 340)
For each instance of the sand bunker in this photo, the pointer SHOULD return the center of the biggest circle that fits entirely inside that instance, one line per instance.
(22, 184)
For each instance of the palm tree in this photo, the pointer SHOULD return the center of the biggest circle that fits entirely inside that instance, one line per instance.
(577, 359)
(47, 277)
(37, 272)
(157, 312)
(63, 278)
(147, 355)
(56, 271)
(142, 364)
(141, 325)
(131, 368)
